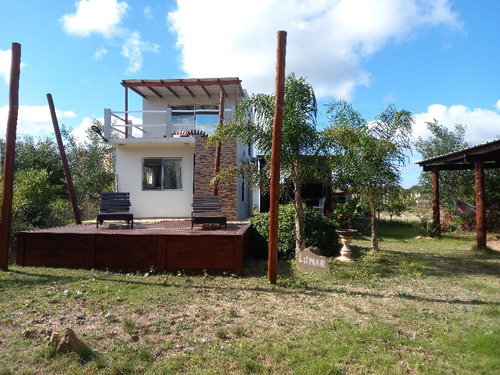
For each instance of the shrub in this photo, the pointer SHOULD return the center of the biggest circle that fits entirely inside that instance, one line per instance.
(319, 231)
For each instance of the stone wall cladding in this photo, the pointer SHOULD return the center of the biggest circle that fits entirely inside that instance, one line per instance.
(204, 170)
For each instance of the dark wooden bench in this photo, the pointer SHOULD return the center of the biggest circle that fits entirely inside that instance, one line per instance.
(206, 209)
(115, 206)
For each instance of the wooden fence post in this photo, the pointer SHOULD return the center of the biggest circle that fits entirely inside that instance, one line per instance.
(215, 188)
(436, 219)
(9, 158)
(272, 265)
(64, 159)
(480, 205)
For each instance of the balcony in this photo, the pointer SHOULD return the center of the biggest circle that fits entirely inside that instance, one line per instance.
(168, 125)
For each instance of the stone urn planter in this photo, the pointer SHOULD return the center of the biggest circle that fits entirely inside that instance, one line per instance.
(346, 236)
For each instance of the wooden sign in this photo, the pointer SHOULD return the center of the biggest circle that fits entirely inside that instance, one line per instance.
(310, 259)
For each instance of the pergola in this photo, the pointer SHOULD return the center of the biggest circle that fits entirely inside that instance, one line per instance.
(478, 158)
(194, 87)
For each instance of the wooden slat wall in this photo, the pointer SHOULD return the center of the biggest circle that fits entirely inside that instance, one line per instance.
(131, 253)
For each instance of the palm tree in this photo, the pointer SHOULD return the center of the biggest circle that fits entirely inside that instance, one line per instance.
(253, 124)
(368, 157)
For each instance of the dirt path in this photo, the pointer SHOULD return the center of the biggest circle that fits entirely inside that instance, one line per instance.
(495, 245)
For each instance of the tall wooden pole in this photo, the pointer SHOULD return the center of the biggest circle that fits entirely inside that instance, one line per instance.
(480, 206)
(9, 159)
(272, 265)
(67, 172)
(436, 219)
(215, 189)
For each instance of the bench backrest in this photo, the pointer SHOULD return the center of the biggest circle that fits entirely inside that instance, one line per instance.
(115, 202)
(206, 203)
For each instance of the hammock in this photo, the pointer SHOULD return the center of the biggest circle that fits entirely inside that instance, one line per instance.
(465, 208)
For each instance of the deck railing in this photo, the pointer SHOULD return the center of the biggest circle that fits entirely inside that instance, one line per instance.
(161, 123)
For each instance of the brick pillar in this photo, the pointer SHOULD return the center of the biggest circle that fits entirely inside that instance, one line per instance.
(204, 169)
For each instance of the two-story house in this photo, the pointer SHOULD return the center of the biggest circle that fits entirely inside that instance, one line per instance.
(161, 156)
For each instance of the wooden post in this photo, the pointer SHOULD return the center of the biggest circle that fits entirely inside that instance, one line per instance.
(436, 220)
(215, 189)
(480, 205)
(126, 112)
(272, 265)
(64, 159)
(9, 159)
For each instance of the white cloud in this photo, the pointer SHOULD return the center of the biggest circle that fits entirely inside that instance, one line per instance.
(326, 40)
(80, 132)
(497, 105)
(483, 125)
(133, 48)
(33, 120)
(148, 13)
(5, 61)
(95, 16)
(105, 17)
(99, 53)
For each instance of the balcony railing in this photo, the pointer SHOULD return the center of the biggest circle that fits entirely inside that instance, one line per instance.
(166, 123)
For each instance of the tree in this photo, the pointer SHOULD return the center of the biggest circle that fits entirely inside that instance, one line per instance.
(92, 167)
(368, 157)
(395, 202)
(41, 154)
(40, 193)
(441, 142)
(253, 124)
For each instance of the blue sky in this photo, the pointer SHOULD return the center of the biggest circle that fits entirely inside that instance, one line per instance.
(435, 58)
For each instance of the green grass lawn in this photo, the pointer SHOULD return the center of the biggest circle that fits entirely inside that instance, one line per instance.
(419, 306)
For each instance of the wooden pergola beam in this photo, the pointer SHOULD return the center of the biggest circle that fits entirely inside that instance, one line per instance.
(154, 91)
(189, 91)
(138, 92)
(181, 82)
(459, 167)
(222, 88)
(173, 92)
(204, 89)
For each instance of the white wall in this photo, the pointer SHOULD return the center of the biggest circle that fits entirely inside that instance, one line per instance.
(155, 203)
(154, 118)
(167, 203)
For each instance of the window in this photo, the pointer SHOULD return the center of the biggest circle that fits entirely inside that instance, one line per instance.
(162, 174)
(195, 115)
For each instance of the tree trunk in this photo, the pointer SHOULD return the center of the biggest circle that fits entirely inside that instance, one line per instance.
(300, 239)
(373, 223)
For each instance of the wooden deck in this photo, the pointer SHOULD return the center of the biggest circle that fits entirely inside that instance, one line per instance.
(166, 245)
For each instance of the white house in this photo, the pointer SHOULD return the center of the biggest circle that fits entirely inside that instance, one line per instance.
(161, 157)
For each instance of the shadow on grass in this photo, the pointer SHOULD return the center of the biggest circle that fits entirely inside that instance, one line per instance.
(287, 284)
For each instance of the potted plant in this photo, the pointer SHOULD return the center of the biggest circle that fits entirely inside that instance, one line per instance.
(343, 216)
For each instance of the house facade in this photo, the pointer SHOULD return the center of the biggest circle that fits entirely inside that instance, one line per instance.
(161, 153)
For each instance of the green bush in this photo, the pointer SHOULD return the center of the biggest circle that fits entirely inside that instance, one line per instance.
(319, 231)
(35, 203)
